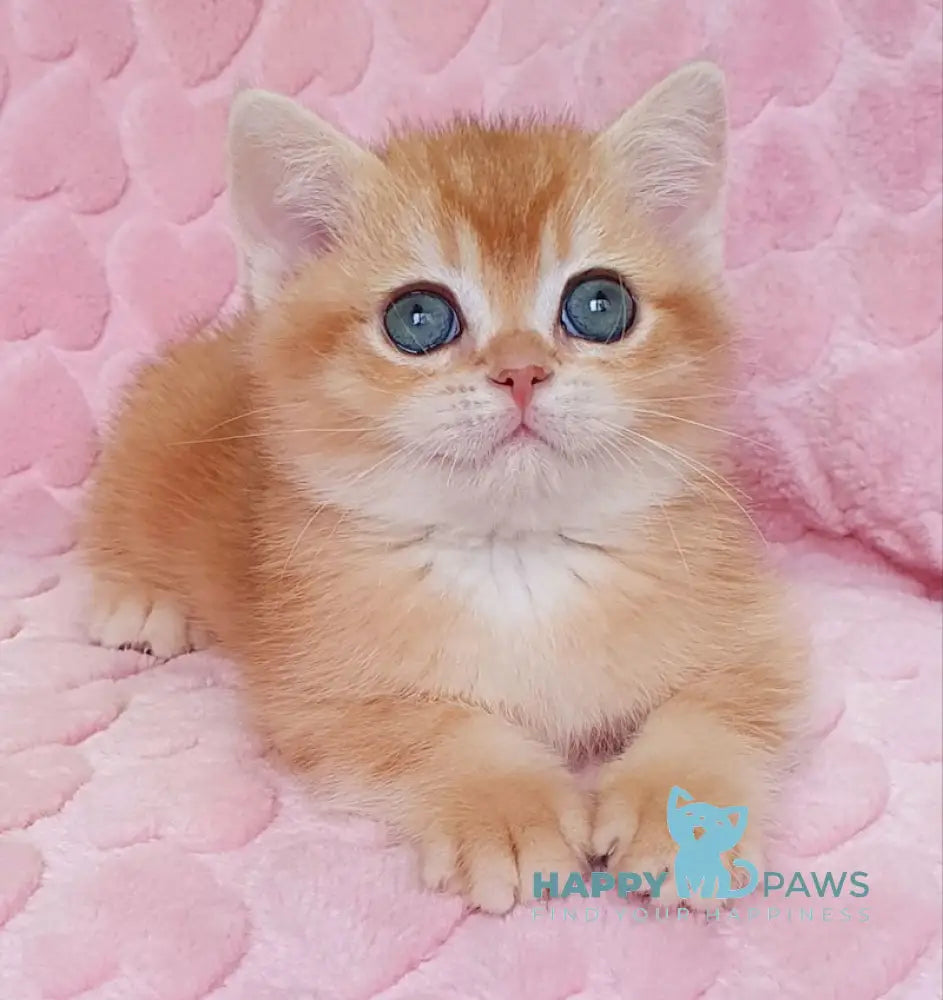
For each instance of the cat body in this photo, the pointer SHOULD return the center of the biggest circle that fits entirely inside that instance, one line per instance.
(448, 489)
(510, 619)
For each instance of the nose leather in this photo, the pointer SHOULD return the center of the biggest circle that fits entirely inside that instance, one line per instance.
(521, 382)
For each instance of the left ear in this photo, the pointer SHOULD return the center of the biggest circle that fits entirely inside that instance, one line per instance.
(670, 148)
(293, 181)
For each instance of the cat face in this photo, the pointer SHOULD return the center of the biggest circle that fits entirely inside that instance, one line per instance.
(710, 827)
(487, 327)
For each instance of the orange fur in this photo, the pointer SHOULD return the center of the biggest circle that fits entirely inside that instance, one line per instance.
(432, 626)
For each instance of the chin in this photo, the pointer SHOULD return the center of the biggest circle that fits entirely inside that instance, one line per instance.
(523, 466)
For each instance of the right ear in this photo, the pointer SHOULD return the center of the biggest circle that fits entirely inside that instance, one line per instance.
(670, 151)
(292, 180)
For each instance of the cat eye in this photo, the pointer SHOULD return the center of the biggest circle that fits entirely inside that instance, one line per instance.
(597, 307)
(421, 320)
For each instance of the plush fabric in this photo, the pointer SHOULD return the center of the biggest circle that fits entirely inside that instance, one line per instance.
(147, 849)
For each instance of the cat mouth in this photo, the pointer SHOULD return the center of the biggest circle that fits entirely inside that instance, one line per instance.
(518, 439)
(522, 434)
(698, 832)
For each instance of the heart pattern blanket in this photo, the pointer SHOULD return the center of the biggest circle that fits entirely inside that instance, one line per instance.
(148, 849)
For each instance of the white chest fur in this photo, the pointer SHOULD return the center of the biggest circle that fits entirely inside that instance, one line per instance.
(525, 583)
(520, 642)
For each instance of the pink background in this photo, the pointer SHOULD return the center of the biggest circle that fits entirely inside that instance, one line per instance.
(111, 182)
(145, 849)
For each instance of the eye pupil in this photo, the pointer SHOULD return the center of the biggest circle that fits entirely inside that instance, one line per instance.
(421, 321)
(598, 308)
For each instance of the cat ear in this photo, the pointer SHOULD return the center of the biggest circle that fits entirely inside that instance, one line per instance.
(291, 179)
(670, 148)
(678, 796)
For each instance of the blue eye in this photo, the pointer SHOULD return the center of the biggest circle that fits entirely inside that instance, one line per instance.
(597, 307)
(420, 321)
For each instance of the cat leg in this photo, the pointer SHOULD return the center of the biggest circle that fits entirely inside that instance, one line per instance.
(124, 615)
(487, 807)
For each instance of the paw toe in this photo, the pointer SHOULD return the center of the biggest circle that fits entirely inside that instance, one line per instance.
(132, 622)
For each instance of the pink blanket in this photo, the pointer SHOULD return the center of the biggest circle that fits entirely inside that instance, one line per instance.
(146, 848)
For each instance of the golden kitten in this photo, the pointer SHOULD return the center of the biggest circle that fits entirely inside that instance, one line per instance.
(446, 490)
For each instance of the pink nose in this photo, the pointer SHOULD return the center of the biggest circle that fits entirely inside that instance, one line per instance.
(521, 382)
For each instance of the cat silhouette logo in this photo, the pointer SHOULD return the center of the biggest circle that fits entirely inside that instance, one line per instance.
(703, 834)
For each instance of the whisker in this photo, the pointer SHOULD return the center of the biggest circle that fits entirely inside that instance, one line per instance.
(277, 433)
(703, 395)
(637, 466)
(252, 413)
(689, 483)
(676, 366)
(695, 463)
(671, 529)
(704, 471)
(350, 481)
(709, 475)
(317, 510)
(707, 427)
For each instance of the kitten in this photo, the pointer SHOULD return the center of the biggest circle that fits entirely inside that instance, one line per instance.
(445, 489)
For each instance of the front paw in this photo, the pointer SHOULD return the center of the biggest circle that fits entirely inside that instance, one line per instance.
(489, 835)
(129, 618)
(630, 829)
